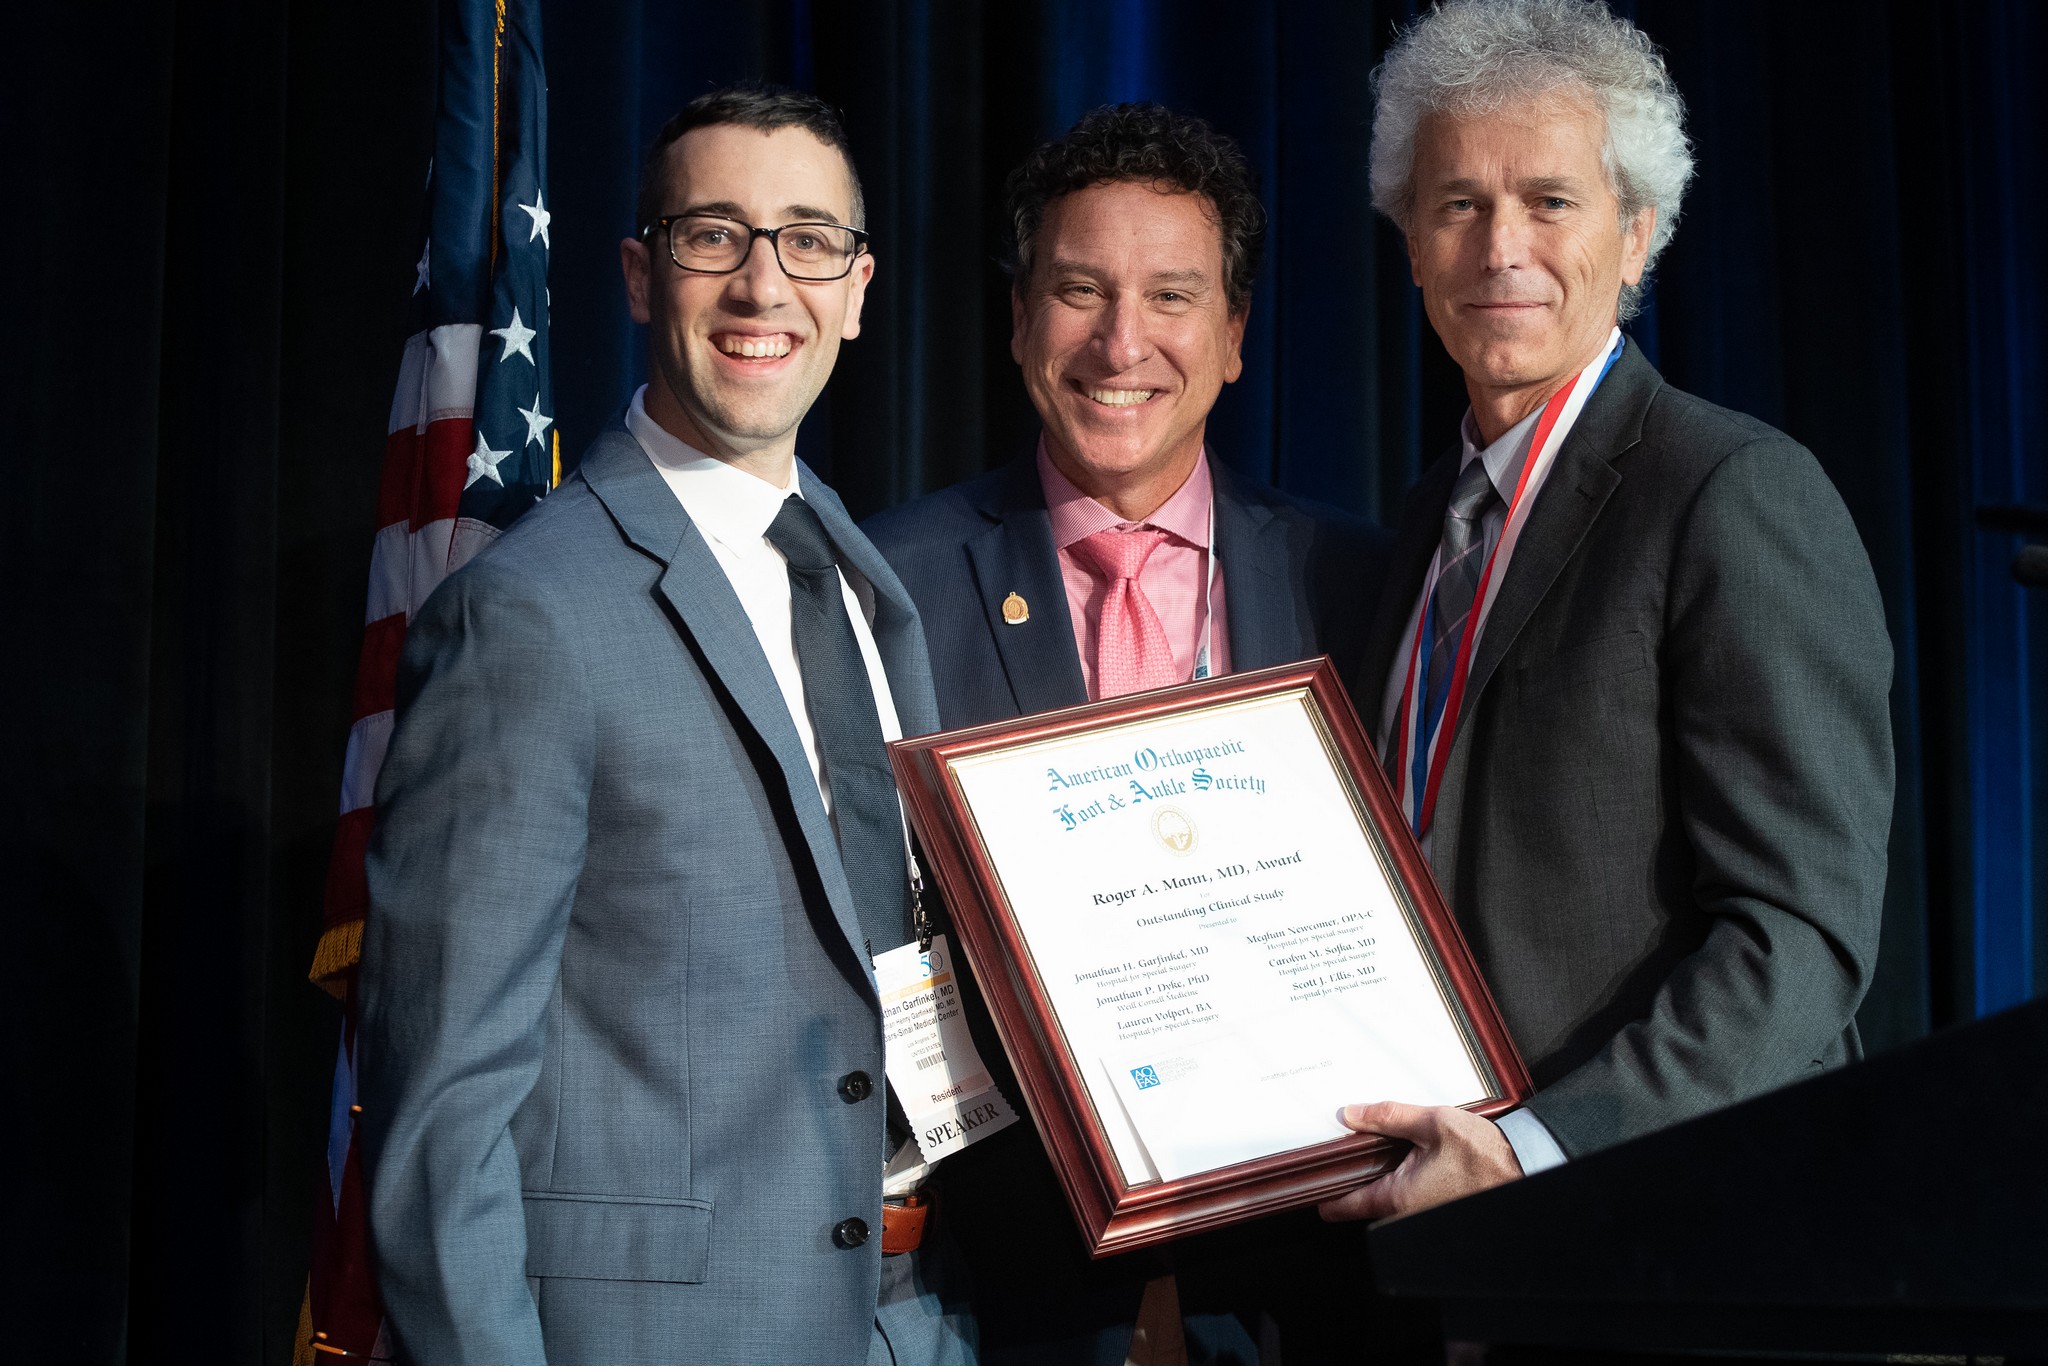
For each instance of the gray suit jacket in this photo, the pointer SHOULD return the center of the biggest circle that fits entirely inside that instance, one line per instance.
(611, 977)
(1664, 816)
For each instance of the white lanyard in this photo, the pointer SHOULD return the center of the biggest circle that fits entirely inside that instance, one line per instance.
(1202, 653)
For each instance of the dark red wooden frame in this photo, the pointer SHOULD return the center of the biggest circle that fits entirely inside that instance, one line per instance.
(1115, 1217)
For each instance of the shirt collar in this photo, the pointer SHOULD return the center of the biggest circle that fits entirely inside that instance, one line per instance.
(727, 504)
(1505, 457)
(1075, 515)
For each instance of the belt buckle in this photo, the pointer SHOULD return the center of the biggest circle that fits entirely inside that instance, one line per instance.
(903, 1221)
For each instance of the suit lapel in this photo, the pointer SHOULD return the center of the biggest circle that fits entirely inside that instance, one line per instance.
(1578, 486)
(1257, 596)
(694, 584)
(899, 636)
(1015, 554)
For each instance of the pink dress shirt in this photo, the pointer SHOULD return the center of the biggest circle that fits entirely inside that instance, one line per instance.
(1171, 580)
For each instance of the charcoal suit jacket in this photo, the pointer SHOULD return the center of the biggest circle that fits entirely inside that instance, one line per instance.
(612, 981)
(1663, 819)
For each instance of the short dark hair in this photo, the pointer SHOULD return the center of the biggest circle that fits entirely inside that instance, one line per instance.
(752, 105)
(1154, 145)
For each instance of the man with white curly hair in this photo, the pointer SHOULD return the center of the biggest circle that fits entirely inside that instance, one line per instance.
(1631, 668)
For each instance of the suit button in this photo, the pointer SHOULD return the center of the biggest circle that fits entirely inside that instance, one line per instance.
(850, 1232)
(855, 1086)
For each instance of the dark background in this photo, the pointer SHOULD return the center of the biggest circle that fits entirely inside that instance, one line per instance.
(210, 236)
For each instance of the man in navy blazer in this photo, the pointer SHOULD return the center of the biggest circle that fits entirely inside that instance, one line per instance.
(623, 1081)
(1137, 237)
(1120, 554)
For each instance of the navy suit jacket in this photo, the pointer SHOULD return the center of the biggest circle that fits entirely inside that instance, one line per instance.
(1299, 580)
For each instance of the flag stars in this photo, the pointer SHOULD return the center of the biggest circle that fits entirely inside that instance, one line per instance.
(483, 461)
(538, 212)
(516, 335)
(423, 268)
(536, 425)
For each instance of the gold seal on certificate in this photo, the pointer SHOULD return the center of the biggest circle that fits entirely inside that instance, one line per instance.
(1202, 928)
(1174, 830)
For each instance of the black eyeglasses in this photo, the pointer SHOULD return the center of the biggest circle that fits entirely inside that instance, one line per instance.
(709, 245)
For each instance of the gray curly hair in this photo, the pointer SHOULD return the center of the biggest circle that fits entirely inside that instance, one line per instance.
(1471, 56)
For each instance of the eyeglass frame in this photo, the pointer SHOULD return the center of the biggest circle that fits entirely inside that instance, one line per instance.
(861, 239)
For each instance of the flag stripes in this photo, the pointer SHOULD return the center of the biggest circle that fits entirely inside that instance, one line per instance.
(467, 450)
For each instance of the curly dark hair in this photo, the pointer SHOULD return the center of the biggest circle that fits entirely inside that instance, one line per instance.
(1152, 144)
(751, 105)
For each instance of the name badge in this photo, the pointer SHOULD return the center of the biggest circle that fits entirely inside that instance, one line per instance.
(945, 1091)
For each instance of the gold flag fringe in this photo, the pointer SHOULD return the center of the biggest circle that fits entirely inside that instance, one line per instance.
(302, 1347)
(341, 948)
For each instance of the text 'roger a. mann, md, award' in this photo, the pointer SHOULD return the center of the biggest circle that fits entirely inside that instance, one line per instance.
(1202, 930)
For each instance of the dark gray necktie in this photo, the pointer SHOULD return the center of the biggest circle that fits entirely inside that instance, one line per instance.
(847, 728)
(1460, 562)
(1456, 581)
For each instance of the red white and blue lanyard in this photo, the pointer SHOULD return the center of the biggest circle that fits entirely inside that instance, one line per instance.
(1423, 741)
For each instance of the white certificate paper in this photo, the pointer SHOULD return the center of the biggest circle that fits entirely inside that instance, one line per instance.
(1227, 955)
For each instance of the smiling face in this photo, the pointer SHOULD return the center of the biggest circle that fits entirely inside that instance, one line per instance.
(737, 360)
(1518, 245)
(1125, 338)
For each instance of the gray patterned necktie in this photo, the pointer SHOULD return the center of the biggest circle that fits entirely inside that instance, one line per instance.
(1460, 563)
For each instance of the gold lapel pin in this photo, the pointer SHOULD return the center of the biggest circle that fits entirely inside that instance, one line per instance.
(1016, 611)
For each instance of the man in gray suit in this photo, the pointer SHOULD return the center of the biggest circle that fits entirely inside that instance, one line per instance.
(623, 1078)
(1631, 668)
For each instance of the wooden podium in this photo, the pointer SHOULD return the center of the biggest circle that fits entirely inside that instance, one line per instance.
(1896, 1206)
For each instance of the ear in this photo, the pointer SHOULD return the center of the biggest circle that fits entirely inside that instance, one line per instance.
(1635, 245)
(1414, 258)
(1020, 325)
(1233, 364)
(637, 267)
(857, 293)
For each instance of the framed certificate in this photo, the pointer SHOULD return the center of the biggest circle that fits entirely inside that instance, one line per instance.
(1201, 928)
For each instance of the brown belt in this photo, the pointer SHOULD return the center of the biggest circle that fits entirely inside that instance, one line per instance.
(903, 1224)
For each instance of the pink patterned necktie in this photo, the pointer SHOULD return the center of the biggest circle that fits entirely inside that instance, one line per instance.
(1131, 653)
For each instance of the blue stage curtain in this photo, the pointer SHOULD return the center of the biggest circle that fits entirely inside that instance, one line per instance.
(1993, 62)
(1850, 267)
(214, 239)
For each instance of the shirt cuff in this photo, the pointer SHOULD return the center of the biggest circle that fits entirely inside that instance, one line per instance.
(1534, 1147)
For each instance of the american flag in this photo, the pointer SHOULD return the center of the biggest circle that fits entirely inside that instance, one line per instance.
(471, 445)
